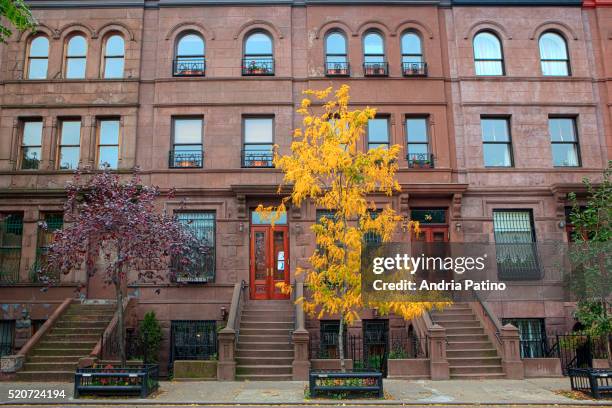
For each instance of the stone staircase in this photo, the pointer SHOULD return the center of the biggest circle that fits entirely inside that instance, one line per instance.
(74, 335)
(470, 353)
(264, 350)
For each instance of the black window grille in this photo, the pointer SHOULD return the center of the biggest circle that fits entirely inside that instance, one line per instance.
(372, 237)
(532, 333)
(11, 233)
(375, 343)
(193, 340)
(54, 221)
(202, 267)
(329, 339)
(428, 215)
(515, 247)
(7, 337)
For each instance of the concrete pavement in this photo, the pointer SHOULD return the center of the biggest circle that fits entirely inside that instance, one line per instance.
(417, 392)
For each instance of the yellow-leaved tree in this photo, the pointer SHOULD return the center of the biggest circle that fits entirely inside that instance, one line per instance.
(328, 167)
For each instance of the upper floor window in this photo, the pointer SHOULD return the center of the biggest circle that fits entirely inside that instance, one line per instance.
(496, 143)
(202, 226)
(114, 57)
(417, 144)
(515, 250)
(69, 146)
(378, 133)
(108, 143)
(190, 55)
(31, 144)
(11, 233)
(258, 54)
(488, 58)
(553, 55)
(258, 142)
(76, 57)
(374, 61)
(53, 221)
(187, 143)
(336, 60)
(565, 152)
(412, 55)
(38, 58)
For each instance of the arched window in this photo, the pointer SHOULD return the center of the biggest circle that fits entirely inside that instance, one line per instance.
(374, 61)
(114, 57)
(38, 58)
(488, 57)
(76, 57)
(412, 55)
(336, 60)
(258, 54)
(553, 55)
(190, 56)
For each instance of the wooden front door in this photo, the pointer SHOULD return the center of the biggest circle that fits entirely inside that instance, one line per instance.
(431, 234)
(269, 261)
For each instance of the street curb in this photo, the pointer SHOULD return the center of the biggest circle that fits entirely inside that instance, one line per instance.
(86, 402)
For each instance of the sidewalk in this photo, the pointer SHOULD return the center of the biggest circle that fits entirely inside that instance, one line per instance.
(534, 391)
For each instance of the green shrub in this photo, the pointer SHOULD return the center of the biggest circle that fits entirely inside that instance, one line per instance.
(150, 337)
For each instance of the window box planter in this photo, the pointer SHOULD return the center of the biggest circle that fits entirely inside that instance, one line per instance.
(140, 380)
(322, 382)
(595, 381)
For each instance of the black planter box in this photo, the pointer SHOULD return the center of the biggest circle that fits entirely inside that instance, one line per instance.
(350, 381)
(140, 381)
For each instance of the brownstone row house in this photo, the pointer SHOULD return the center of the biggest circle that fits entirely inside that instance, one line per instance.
(501, 108)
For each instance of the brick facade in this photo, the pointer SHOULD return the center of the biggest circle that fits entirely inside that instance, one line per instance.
(450, 96)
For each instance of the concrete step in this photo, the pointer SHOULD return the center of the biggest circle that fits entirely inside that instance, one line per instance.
(264, 332)
(63, 344)
(453, 312)
(51, 366)
(66, 351)
(71, 337)
(270, 304)
(264, 345)
(255, 338)
(466, 337)
(45, 376)
(476, 369)
(53, 359)
(465, 345)
(256, 352)
(474, 361)
(266, 317)
(448, 324)
(74, 330)
(264, 377)
(71, 324)
(478, 376)
(264, 360)
(485, 352)
(264, 369)
(85, 318)
(288, 325)
(464, 330)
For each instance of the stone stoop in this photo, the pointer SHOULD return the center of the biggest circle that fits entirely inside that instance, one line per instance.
(264, 350)
(74, 335)
(469, 352)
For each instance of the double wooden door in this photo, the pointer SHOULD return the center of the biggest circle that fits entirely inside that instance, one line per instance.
(269, 261)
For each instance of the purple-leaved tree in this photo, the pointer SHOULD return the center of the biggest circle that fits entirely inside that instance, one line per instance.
(116, 221)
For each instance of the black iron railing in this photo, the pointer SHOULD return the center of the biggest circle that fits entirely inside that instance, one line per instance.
(257, 158)
(414, 69)
(337, 69)
(180, 159)
(254, 66)
(375, 68)
(189, 67)
(518, 261)
(420, 160)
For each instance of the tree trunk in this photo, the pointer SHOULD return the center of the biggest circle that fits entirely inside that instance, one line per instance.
(341, 344)
(120, 322)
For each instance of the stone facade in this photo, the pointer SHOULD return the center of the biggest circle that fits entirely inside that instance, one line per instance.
(450, 96)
